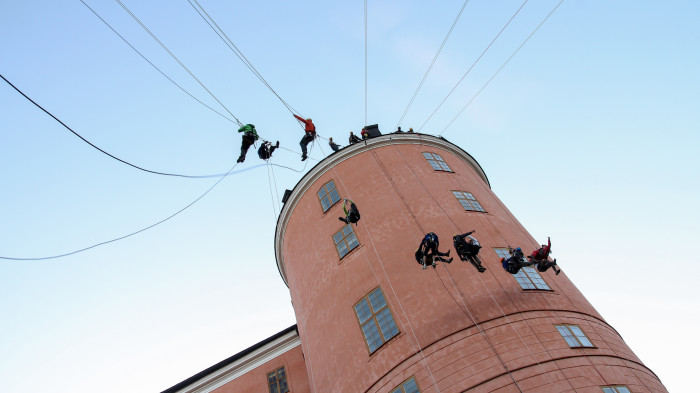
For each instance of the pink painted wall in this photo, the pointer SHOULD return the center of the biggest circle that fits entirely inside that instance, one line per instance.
(255, 381)
(401, 198)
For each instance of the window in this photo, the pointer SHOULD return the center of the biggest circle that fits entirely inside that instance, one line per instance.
(468, 201)
(616, 389)
(527, 277)
(574, 336)
(375, 319)
(277, 381)
(409, 386)
(328, 195)
(436, 162)
(345, 240)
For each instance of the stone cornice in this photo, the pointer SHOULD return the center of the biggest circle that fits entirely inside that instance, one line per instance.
(348, 152)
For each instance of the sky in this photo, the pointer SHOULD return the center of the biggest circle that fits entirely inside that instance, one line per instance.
(588, 134)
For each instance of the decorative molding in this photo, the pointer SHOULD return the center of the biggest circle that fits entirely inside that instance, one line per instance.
(247, 363)
(348, 152)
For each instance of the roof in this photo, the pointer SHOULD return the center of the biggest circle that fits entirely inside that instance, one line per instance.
(222, 364)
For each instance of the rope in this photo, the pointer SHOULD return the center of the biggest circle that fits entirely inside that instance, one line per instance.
(420, 85)
(483, 332)
(369, 235)
(365, 123)
(502, 66)
(460, 186)
(125, 236)
(482, 282)
(272, 197)
(178, 60)
(93, 145)
(220, 32)
(153, 65)
(473, 64)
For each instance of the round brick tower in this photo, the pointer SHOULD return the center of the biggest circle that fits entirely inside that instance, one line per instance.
(372, 320)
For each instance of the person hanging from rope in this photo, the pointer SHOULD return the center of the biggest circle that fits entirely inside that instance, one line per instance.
(352, 216)
(365, 134)
(515, 262)
(467, 250)
(333, 145)
(249, 138)
(353, 139)
(540, 258)
(266, 149)
(427, 252)
(309, 135)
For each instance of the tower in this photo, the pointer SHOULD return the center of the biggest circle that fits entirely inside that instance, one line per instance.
(371, 320)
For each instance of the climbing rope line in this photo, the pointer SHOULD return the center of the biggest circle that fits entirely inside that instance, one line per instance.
(502, 66)
(472, 66)
(473, 320)
(220, 32)
(583, 351)
(274, 181)
(482, 282)
(426, 365)
(153, 65)
(93, 145)
(128, 235)
(420, 85)
(178, 60)
(482, 331)
(462, 297)
(272, 196)
(456, 180)
(365, 123)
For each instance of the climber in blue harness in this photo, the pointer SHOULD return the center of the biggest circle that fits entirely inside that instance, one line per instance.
(515, 262)
(427, 252)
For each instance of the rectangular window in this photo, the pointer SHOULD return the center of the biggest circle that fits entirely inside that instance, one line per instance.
(375, 318)
(436, 162)
(527, 277)
(574, 336)
(328, 195)
(616, 389)
(277, 381)
(345, 240)
(410, 386)
(468, 201)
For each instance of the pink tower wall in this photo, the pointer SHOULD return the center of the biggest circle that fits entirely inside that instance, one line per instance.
(459, 330)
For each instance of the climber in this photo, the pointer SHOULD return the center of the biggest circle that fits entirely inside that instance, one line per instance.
(516, 261)
(309, 135)
(427, 251)
(467, 250)
(353, 138)
(540, 258)
(334, 146)
(266, 149)
(352, 216)
(249, 138)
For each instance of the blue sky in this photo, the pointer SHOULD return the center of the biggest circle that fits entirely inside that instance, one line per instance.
(588, 135)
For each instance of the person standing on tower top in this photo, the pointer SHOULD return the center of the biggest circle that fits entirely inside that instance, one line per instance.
(353, 138)
(309, 135)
